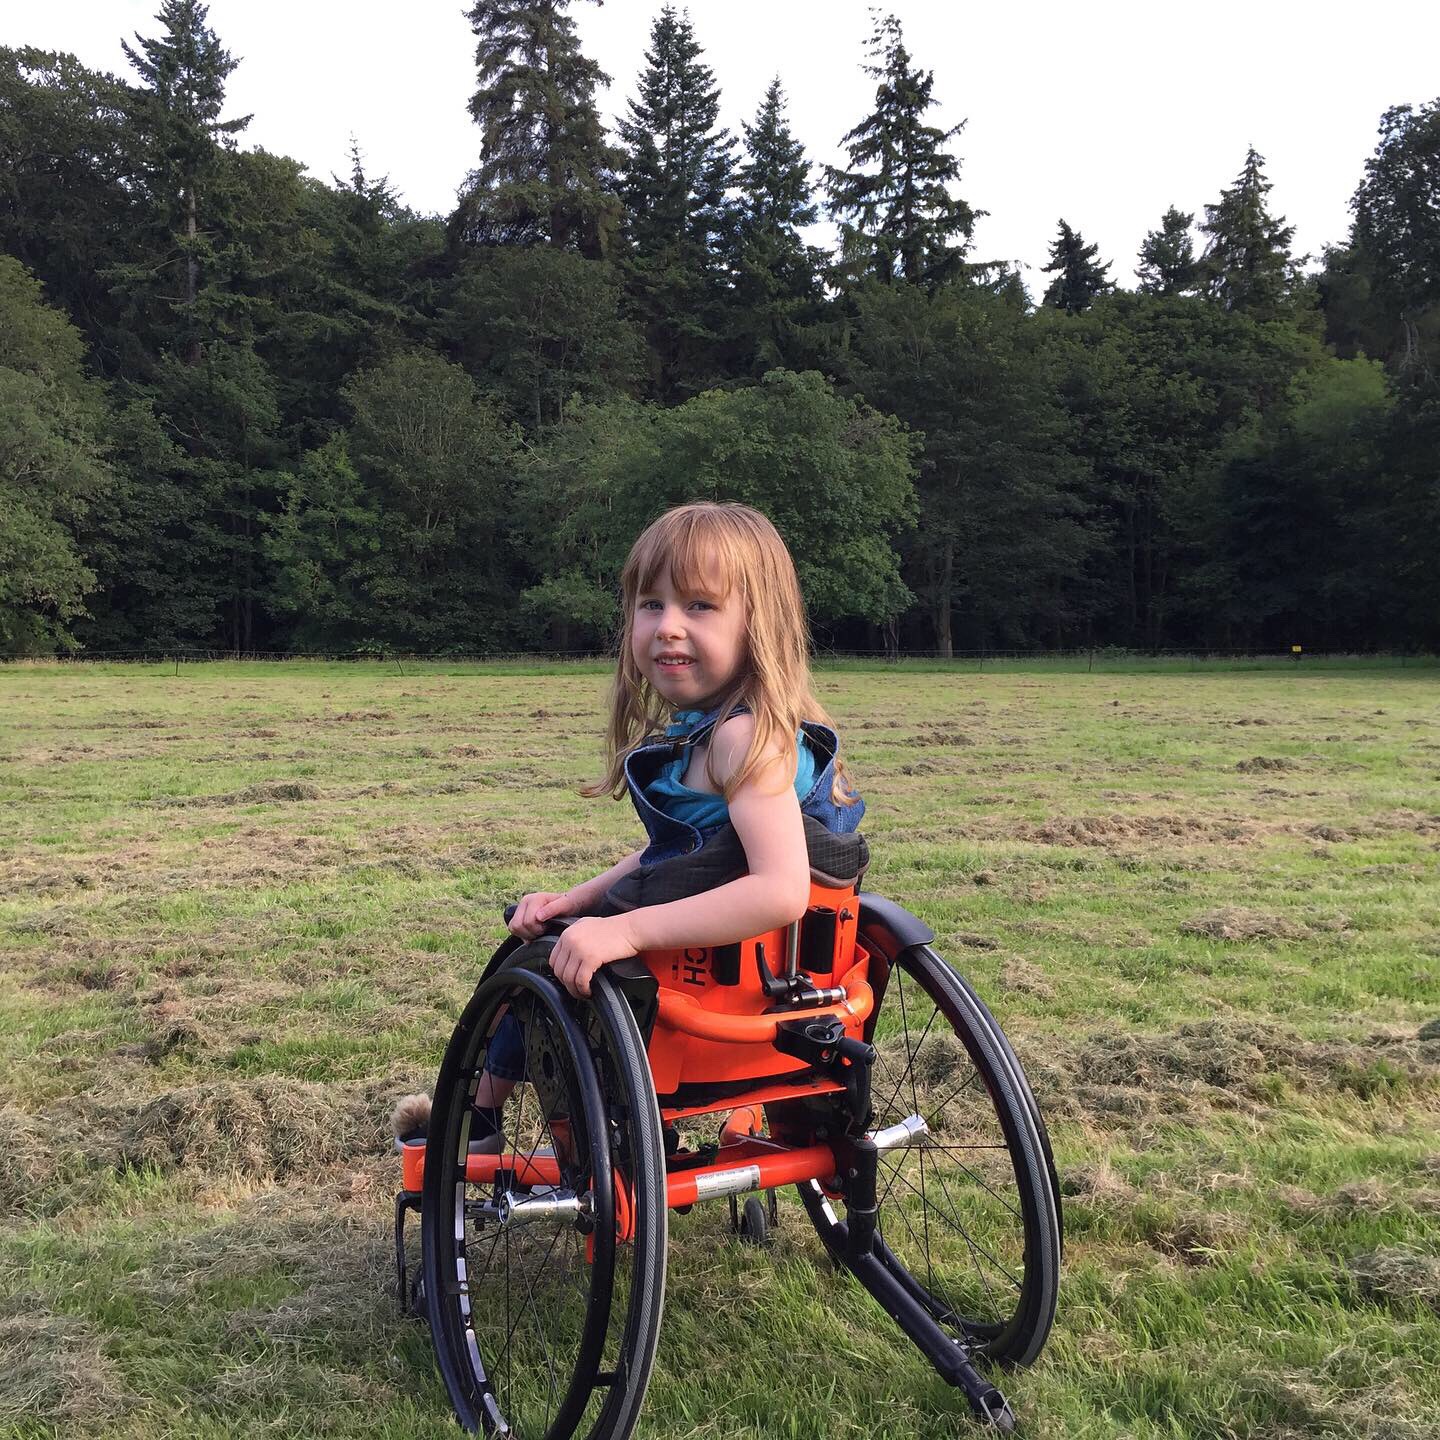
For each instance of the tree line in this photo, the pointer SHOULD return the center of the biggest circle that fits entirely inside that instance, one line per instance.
(242, 407)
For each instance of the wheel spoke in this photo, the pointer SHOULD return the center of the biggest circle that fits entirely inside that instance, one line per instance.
(964, 1211)
(939, 1107)
(979, 1179)
(955, 1225)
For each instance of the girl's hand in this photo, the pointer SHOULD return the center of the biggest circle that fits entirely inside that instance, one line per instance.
(533, 911)
(587, 945)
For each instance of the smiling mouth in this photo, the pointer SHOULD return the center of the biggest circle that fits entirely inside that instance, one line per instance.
(671, 662)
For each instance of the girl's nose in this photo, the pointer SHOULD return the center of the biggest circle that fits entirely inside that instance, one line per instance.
(672, 621)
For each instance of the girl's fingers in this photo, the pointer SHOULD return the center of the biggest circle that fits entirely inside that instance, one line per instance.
(567, 971)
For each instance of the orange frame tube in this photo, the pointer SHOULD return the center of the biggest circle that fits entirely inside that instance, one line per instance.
(749, 1164)
(681, 1012)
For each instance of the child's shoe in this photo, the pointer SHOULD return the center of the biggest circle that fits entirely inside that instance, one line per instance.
(410, 1120)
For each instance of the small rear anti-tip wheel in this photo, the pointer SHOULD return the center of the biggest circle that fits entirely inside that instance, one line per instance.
(967, 1216)
(544, 1272)
(754, 1228)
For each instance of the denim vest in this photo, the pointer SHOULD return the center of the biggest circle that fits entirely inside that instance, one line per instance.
(670, 837)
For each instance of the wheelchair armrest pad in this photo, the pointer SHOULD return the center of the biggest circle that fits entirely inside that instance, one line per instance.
(631, 968)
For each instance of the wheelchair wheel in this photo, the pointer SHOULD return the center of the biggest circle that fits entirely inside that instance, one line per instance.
(967, 1216)
(544, 1281)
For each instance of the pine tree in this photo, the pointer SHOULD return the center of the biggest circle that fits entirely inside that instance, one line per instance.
(1396, 234)
(1247, 265)
(777, 286)
(1167, 257)
(677, 170)
(898, 217)
(1079, 280)
(178, 112)
(545, 166)
(775, 179)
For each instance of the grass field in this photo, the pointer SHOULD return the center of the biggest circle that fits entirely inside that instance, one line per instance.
(241, 906)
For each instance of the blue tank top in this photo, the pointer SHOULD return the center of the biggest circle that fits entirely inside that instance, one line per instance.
(668, 794)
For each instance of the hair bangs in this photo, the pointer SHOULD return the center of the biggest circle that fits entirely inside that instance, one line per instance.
(699, 556)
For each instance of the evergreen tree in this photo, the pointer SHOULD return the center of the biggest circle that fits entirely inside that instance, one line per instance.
(66, 202)
(545, 166)
(1247, 265)
(898, 218)
(177, 110)
(1167, 257)
(1397, 224)
(336, 279)
(1080, 279)
(541, 328)
(1000, 532)
(677, 170)
(778, 298)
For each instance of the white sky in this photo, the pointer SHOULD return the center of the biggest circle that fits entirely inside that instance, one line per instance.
(1102, 112)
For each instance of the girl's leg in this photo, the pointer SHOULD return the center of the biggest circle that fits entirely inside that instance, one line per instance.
(492, 1092)
(504, 1068)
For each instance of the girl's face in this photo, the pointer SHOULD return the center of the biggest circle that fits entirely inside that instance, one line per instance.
(689, 646)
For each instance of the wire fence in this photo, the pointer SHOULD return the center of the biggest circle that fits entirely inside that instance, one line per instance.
(1085, 657)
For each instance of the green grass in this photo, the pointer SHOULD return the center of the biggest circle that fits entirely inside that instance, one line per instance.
(241, 906)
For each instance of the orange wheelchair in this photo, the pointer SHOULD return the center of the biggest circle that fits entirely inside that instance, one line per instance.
(841, 1055)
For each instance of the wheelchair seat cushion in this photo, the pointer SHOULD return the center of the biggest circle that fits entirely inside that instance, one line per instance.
(835, 861)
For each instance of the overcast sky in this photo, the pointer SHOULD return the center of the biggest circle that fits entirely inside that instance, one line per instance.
(1103, 113)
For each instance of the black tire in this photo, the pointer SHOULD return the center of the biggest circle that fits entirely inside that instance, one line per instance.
(536, 1339)
(968, 1216)
(754, 1222)
(1003, 1041)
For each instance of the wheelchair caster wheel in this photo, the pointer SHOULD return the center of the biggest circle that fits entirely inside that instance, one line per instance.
(754, 1227)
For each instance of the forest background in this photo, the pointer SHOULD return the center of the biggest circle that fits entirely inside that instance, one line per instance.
(244, 408)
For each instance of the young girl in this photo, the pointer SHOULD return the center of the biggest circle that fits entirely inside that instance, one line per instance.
(715, 643)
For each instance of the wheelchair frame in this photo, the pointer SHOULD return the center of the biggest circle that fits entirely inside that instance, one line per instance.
(674, 1035)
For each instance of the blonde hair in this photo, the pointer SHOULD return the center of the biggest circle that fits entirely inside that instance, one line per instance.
(716, 549)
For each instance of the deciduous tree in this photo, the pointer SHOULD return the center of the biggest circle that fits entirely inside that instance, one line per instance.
(1397, 224)
(50, 467)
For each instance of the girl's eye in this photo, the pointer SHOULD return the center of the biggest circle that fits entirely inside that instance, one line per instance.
(701, 605)
(649, 604)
